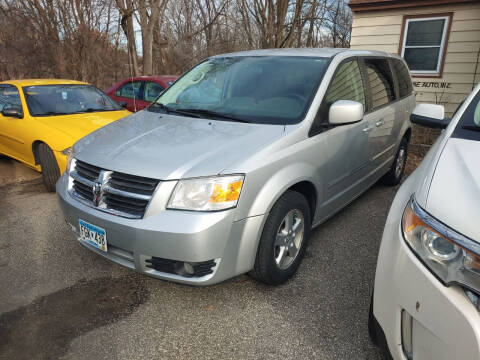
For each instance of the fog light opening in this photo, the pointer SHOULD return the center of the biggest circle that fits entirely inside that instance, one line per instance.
(188, 268)
(407, 335)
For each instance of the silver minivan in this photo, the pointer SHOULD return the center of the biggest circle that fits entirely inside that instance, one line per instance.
(232, 166)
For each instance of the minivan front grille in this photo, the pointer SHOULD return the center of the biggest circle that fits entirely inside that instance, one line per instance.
(114, 192)
(87, 171)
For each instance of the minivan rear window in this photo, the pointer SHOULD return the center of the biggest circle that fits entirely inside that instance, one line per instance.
(381, 82)
(404, 81)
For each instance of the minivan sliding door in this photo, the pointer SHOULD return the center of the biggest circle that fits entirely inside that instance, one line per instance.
(381, 114)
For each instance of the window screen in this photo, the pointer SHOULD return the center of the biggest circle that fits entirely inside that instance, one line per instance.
(423, 43)
(346, 85)
(380, 82)
(403, 78)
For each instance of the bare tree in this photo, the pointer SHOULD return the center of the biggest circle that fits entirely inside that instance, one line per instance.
(126, 10)
(95, 40)
(149, 14)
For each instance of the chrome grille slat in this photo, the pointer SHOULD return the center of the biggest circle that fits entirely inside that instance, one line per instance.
(135, 178)
(76, 176)
(128, 186)
(120, 194)
(123, 200)
(110, 189)
(87, 171)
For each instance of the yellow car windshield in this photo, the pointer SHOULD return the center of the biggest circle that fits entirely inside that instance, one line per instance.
(50, 100)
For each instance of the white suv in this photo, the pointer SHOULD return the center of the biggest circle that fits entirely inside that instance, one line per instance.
(427, 288)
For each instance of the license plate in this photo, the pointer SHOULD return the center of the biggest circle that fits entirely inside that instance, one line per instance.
(93, 235)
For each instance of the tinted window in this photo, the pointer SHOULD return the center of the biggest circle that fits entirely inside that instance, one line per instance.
(403, 78)
(259, 89)
(130, 90)
(48, 100)
(346, 84)
(469, 125)
(380, 81)
(151, 91)
(9, 97)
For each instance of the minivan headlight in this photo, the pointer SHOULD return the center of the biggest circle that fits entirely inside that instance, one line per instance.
(207, 194)
(450, 256)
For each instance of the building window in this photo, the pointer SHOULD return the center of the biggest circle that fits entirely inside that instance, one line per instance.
(424, 43)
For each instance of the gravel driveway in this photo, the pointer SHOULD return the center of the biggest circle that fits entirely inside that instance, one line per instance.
(59, 300)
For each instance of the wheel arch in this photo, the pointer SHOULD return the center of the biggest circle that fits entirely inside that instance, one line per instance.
(309, 191)
(408, 134)
(299, 177)
(35, 146)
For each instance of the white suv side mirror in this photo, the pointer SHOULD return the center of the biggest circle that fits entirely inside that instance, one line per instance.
(430, 115)
(345, 112)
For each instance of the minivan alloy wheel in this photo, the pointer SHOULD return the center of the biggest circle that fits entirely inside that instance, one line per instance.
(284, 239)
(289, 238)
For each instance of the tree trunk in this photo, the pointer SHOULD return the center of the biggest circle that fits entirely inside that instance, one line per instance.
(126, 9)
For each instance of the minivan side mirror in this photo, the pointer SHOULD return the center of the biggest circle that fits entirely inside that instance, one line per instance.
(429, 115)
(13, 111)
(343, 112)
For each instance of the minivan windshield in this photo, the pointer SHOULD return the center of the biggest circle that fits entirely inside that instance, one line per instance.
(257, 89)
(51, 100)
(469, 125)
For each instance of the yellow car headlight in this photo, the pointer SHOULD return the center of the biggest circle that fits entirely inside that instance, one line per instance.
(207, 194)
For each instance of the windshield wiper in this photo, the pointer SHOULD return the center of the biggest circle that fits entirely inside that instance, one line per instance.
(50, 113)
(471, 127)
(169, 110)
(213, 114)
(89, 110)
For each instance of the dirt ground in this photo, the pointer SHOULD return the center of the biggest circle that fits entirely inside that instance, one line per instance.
(12, 171)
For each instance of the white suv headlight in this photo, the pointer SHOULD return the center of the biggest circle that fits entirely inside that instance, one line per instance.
(452, 257)
(207, 194)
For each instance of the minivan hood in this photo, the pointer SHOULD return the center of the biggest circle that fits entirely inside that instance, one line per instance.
(454, 196)
(166, 147)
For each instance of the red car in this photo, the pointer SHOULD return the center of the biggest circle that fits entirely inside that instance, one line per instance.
(137, 93)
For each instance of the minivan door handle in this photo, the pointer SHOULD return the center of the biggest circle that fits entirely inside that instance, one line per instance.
(379, 123)
(367, 129)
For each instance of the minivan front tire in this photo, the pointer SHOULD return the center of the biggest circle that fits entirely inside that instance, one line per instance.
(284, 239)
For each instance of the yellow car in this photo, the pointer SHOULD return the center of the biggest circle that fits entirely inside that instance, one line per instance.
(41, 119)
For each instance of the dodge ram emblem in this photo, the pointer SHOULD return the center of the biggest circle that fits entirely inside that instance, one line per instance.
(97, 192)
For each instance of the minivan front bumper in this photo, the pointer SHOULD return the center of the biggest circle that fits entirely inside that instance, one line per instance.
(173, 236)
(444, 322)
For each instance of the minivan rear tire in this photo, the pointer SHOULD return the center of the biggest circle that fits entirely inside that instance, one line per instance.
(49, 166)
(266, 268)
(393, 177)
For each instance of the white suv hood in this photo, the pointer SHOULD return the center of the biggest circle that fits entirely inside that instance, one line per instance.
(454, 196)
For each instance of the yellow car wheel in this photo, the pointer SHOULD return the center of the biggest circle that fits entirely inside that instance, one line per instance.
(48, 163)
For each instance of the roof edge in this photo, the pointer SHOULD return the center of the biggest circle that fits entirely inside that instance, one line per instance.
(372, 5)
